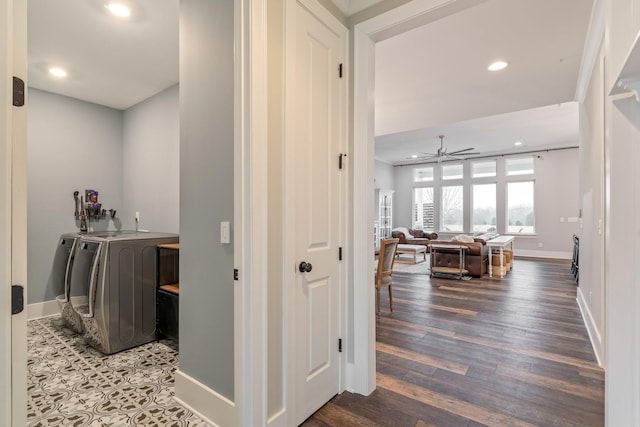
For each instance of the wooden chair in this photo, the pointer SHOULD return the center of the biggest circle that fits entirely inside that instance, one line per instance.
(385, 267)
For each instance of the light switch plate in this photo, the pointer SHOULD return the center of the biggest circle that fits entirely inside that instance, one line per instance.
(225, 232)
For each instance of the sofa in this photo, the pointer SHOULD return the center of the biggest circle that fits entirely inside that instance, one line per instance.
(475, 258)
(408, 236)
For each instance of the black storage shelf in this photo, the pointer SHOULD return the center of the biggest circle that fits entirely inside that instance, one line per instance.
(168, 305)
(168, 292)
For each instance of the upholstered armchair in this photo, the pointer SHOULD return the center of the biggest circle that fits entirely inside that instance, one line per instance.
(386, 259)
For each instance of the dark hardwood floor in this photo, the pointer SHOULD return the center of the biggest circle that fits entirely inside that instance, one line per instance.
(482, 352)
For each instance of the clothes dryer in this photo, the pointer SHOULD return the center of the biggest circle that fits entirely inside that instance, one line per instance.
(121, 273)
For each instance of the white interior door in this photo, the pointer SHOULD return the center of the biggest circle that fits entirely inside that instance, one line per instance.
(13, 204)
(316, 141)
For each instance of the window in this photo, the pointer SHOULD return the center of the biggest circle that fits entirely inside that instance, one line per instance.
(452, 171)
(520, 216)
(423, 174)
(519, 166)
(483, 169)
(452, 208)
(484, 208)
(423, 209)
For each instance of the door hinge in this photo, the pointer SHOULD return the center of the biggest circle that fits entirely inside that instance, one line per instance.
(340, 253)
(339, 345)
(17, 299)
(235, 274)
(340, 70)
(340, 162)
(18, 92)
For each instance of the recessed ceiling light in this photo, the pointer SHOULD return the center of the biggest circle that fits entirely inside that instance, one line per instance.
(118, 9)
(414, 156)
(57, 71)
(498, 65)
(517, 143)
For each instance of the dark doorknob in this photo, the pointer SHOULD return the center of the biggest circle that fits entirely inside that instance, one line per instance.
(305, 267)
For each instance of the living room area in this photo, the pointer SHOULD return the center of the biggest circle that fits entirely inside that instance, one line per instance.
(493, 146)
(498, 153)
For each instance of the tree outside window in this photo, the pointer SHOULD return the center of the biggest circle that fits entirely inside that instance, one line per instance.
(452, 213)
(484, 217)
(520, 213)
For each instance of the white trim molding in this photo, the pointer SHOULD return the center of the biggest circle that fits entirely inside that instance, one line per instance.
(595, 34)
(592, 328)
(250, 237)
(38, 310)
(203, 401)
(542, 254)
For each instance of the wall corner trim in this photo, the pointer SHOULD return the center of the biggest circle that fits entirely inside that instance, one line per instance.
(595, 34)
(203, 401)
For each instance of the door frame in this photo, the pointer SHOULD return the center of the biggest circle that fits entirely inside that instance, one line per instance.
(5, 215)
(366, 34)
(250, 233)
(13, 229)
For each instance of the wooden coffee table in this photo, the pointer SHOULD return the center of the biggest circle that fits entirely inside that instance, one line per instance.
(413, 250)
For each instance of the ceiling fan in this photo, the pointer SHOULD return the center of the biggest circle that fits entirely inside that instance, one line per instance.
(442, 153)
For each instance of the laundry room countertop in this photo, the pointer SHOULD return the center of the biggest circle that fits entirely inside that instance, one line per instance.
(170, 246)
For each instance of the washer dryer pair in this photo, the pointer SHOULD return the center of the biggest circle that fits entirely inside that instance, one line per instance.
(106, 286)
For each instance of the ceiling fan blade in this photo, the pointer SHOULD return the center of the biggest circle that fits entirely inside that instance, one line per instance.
(462, 151)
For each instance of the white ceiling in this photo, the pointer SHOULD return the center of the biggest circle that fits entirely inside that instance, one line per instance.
(429, 81)
(110, 61)
(434, 80)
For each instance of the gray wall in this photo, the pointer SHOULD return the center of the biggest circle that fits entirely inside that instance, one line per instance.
(384, 176)
(130, 157)
(556, 197)
(150, 163)
(206, 192)
(72, 145)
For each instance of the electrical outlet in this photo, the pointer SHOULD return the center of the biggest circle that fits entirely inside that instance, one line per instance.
(540, 244)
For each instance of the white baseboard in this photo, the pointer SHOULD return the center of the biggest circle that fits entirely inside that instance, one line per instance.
(542, 254)
(203, 401)
(592, 329)
(50, 308)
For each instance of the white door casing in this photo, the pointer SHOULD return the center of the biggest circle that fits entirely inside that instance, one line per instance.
(410, 15)
(315, 120)
(13, 229)
(5, 217)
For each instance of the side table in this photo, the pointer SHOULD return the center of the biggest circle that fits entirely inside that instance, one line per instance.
(499, 242)
(448, 272)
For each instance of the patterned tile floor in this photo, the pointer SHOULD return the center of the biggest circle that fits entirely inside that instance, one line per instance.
(71, 384)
